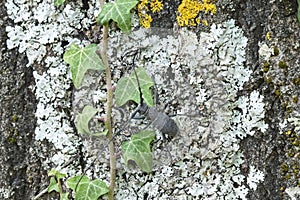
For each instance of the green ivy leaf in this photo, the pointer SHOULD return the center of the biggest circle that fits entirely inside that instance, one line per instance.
(57, 174)
(138, 150)
(128, 89)
(104, 133)
(53, 185)
(58, 2)
(83, 121)
(64, 196)
(81, 60)
(118, 11)
(86, 189)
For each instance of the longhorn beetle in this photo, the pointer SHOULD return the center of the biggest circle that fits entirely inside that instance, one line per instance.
(159, 120)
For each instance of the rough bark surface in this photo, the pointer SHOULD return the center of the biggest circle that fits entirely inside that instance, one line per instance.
(23, 175)
(21, 172)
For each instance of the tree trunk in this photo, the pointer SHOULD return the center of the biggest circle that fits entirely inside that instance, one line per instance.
(214, 149)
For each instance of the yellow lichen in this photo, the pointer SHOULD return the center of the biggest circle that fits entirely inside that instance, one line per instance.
(209, 7)
(295, 99)
(144, 6)
(268, 36)
(156, 6)
(288, 133)
(205, 22)
(145, 20)
(189, 11)
(14, 118)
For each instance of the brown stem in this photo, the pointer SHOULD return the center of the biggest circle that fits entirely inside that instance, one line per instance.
(109, 111)
(60, 188)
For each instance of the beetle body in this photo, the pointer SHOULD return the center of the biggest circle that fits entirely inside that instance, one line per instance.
(163, 122)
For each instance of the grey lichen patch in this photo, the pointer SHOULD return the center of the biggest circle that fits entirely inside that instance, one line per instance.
(197, 79)
(41, 31)
(293, 192)
(48, 90)
(41, 24)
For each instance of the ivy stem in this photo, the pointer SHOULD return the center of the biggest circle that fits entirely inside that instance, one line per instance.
(60, 188)
(108, 122)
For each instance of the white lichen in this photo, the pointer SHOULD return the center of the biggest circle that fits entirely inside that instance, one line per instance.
(294, 119)
(265, 51)
(47, 90)
(254, 177)
(5, 193)
(293, 192)
(252, 115)
(39, 31)
(214, 61)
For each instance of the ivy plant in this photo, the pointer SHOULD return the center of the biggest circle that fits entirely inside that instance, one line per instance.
(55, 183)
(81, 60)
(128, 88)
(118, 11)
(84, 187)
(138, 149)
(83, 121)
(94, 57)
(58, 2)
(87, 189)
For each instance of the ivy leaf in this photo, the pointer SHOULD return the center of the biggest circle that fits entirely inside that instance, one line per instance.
(64, 196)
(53, 185)
(118, 11)
(81, 60)
(138, 150)
(58, 2)
(83, 121)
(128, 88)
(56, 173)
(87, 189)
(103, 133)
